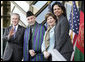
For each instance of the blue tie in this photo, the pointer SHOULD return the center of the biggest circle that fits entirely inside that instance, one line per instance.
(14, 31)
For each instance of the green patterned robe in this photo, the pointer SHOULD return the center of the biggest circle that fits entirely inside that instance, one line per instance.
(37, 39)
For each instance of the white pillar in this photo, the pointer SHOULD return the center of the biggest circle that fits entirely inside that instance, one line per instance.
(1, 29)
(1, 37)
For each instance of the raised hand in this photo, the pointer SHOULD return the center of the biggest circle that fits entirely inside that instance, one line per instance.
(11, 33)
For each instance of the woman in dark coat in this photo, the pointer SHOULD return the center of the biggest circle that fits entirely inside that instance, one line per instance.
(62, 39)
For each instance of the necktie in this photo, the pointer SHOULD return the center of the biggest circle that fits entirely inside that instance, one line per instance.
(47, 38)
(14, 31)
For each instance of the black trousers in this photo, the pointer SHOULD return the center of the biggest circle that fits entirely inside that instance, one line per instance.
(13, 58)
(49, 58)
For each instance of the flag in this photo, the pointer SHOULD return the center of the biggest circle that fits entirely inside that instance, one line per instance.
(74, 25)
(79, 49)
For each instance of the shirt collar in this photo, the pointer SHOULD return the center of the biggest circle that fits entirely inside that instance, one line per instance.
(52, 29)
(16, 26)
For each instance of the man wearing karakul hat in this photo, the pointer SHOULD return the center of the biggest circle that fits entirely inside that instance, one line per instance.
(33, 38)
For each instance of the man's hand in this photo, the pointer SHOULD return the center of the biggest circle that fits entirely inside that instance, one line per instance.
(46, 54)
(11, 33)
(1, 59)
(32, 52)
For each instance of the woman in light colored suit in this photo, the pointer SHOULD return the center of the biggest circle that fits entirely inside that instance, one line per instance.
(49, 37)
(62, 39)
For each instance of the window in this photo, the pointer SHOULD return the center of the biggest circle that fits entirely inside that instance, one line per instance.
(40, 4)
(23, 5)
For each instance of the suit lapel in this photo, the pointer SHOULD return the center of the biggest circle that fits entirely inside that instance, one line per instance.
(9, 28)
(55, 34)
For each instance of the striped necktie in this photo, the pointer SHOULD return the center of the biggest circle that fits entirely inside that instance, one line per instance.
(14, 31)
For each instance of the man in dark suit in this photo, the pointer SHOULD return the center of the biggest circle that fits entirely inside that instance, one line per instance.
(15, 36)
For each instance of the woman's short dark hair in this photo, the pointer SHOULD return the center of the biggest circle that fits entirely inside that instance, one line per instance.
(61, 6)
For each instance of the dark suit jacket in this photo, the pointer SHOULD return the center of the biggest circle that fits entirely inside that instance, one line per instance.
(14, 46)
(62, 39)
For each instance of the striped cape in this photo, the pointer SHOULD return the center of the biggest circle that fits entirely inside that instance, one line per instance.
(37, 39)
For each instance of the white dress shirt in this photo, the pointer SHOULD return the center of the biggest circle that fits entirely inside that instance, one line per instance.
(16, 27)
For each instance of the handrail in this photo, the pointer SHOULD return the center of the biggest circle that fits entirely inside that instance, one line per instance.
(41, 9)
(18, 7)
